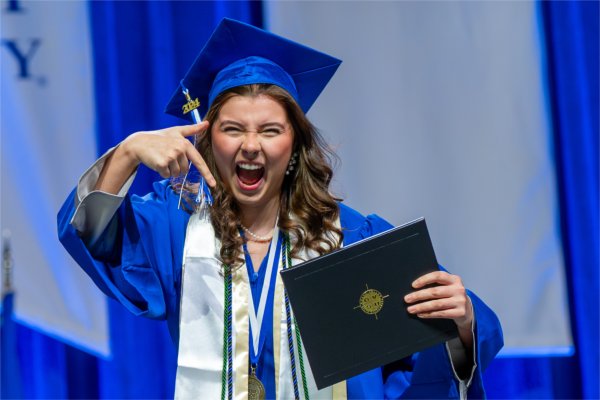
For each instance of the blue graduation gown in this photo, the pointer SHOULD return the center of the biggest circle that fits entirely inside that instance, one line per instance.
(138, 260)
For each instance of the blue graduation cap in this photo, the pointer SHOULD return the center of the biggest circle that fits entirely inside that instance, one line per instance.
(239, 54)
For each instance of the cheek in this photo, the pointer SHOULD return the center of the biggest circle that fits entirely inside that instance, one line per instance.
(224, 150)
(282, 149)
(286, 153)
(280, 161)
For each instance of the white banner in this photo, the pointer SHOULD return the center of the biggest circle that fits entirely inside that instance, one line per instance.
(440, 110)
(47, 141)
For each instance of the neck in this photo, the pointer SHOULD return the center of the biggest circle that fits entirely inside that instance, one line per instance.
(260, 220)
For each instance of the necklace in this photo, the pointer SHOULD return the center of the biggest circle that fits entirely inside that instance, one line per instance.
(255, 237)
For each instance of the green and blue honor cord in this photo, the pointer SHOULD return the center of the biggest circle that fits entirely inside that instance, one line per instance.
(258, 336)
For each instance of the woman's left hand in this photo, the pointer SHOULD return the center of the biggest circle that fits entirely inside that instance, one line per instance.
(447, 299)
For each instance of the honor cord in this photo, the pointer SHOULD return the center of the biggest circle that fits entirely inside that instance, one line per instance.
(227, 371)
(287, 263)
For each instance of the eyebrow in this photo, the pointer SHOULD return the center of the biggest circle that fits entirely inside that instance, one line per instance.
(272, 124)
(228, 121)
(260, 127)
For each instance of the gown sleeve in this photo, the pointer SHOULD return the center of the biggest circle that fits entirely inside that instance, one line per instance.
(130, 246)
(429, 373)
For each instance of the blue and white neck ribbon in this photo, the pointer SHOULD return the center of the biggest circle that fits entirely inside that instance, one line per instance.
(256, 316)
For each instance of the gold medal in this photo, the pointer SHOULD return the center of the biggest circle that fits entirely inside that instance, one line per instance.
(256, 390)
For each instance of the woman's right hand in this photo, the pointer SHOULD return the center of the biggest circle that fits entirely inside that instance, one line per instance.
(168, 151)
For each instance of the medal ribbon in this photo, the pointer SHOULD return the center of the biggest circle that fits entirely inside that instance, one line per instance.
(256, 316)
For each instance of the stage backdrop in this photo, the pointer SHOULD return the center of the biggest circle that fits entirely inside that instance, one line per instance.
(421, 113)
(48, 140)
(440, 110)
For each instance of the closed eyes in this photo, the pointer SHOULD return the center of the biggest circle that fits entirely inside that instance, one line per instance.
(270, 129)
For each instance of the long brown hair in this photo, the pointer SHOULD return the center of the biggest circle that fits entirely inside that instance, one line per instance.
(307, 209)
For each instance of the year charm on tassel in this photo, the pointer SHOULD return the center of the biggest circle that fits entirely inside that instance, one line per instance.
(191, 104)
(256, 390)
(204, 198)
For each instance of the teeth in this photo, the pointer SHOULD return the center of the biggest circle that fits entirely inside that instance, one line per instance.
(250, 167)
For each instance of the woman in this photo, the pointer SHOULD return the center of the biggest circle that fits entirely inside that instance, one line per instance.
(269, 174)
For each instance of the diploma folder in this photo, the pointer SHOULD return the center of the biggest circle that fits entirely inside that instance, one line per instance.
(349, 304)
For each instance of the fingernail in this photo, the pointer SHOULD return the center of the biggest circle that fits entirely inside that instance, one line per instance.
(411, 310)
(408, 298)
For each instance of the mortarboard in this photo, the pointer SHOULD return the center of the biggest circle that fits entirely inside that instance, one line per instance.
(238, 54)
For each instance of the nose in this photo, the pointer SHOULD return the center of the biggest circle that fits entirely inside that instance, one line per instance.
(251, 144)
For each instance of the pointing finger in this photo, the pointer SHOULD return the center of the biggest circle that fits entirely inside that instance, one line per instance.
(183, 164)
(196, 159)
(194, 129)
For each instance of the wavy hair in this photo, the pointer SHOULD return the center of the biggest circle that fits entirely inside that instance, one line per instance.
(307, 209)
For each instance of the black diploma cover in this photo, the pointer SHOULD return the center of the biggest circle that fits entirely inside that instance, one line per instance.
(349, 304)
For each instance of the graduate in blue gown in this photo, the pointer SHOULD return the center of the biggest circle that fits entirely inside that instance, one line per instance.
(264, 198)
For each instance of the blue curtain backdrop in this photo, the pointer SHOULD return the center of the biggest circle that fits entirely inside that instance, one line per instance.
(571, 33)
(572, 39)
(141, 49)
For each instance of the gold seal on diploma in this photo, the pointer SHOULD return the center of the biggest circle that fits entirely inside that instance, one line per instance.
(371, 301)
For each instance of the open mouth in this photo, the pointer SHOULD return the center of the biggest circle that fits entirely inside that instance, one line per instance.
(249, 175)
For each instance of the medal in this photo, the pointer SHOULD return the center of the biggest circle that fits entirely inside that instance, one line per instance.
(256, 390)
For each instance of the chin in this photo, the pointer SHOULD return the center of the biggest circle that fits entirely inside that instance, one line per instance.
(257, 198)
(246, 197)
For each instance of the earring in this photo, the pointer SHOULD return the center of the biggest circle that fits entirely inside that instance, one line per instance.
(291, 164)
